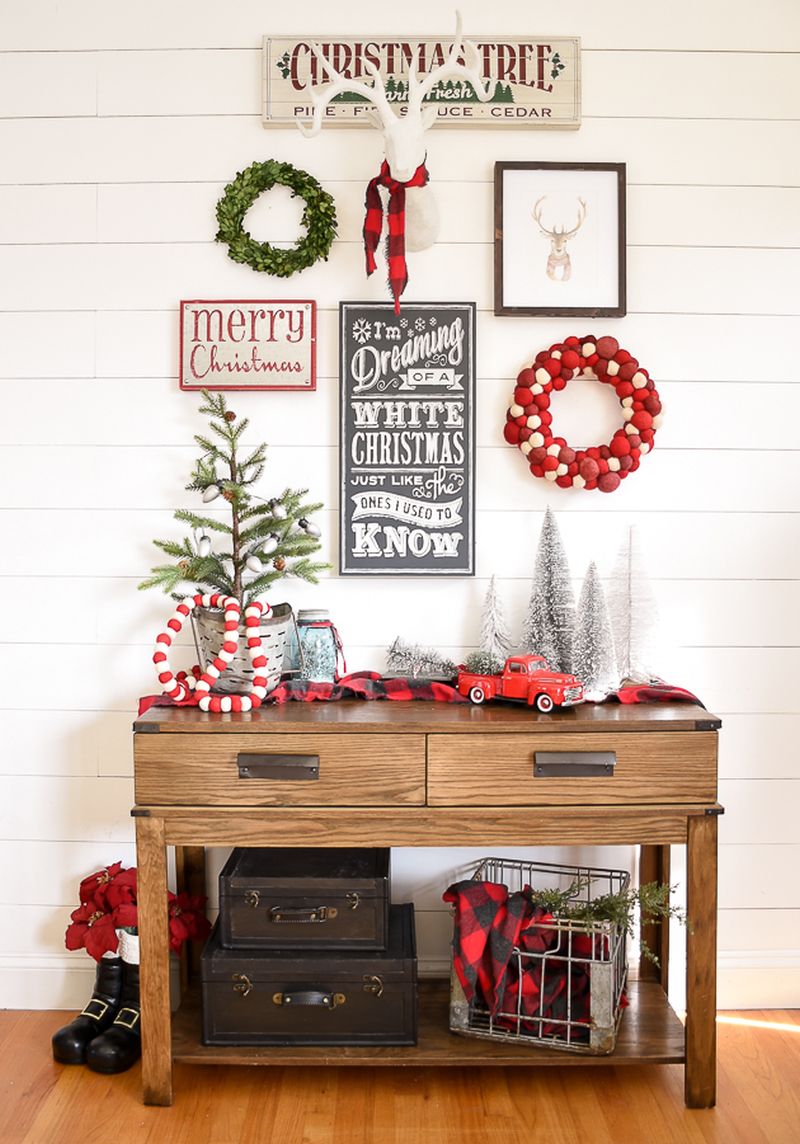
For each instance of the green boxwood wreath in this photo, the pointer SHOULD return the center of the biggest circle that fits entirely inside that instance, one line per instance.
(319, 219)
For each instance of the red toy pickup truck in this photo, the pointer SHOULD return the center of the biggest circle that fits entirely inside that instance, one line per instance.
(526, 678)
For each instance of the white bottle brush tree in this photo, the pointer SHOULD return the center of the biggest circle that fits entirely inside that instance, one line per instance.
(593, 659)
(495, 641)
(633, 611)
(260, 542)
(550, 619)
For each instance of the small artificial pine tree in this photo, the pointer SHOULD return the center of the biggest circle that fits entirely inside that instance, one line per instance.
(550, 619)
(417, 662)
(276, 530)
(633, 612)
(593, 659)
(495, 639)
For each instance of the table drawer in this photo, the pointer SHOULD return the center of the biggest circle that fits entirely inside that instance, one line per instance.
(601, 769)
(280, 770)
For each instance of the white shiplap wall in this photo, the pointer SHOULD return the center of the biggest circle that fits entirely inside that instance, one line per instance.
(117, 134)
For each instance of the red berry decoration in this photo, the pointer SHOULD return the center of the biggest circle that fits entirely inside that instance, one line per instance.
(602, 467)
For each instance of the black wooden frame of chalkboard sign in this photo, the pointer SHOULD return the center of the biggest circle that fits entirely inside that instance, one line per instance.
(467, 547)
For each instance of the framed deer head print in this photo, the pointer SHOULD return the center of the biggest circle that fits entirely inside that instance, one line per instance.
(559, 239)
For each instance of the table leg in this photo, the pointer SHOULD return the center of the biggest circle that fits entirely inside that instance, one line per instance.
(190, 875)
(701, 963)
(151, 859)
(654, 866)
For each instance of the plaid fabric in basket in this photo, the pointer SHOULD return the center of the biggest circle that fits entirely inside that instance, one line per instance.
(490, 925)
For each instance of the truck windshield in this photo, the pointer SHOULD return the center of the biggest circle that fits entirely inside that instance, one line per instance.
(538, 665)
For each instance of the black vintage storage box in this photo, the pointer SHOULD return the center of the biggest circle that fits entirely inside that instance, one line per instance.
(341, 998)
(273, 898)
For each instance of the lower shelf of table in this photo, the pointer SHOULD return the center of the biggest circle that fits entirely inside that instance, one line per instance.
(650, 1033)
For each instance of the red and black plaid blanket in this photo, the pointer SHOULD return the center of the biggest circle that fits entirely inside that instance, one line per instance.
(396, 225)
(372, 685)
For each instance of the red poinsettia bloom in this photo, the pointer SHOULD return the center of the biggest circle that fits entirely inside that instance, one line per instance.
(122, 890)
(187, 921)
(93, 930)
(126, 916)
(95, 888)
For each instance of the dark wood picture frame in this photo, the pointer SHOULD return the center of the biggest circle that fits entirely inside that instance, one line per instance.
(512, 240)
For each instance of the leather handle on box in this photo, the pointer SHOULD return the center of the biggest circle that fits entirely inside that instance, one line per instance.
(316, 914)
(294, 768)
(319, 998)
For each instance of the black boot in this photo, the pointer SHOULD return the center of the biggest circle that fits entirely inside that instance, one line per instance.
(69, 1043)
(121, 1046)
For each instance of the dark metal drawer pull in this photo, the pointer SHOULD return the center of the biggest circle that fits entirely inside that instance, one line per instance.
(292, 767)
(574, 764)
(298, 914)
(312, 997)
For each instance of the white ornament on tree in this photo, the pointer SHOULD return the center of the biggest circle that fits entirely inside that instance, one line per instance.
(593, 659)
(548, 625)
(633, 611)
(495, 638)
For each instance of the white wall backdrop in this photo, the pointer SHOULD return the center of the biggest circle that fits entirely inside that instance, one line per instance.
(118, 130)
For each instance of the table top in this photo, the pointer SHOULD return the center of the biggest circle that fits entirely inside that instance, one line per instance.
(428, 717)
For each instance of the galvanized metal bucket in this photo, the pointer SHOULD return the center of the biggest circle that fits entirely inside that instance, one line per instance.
(209, 628)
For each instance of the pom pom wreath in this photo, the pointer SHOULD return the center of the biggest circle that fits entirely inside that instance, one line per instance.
(602, 467)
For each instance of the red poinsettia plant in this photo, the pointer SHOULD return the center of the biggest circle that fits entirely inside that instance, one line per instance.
(108, 904)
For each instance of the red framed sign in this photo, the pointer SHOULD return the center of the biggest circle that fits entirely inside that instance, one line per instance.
(248, 344)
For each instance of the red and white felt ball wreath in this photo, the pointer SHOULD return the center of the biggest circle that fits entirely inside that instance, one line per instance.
(529, 420)
(179, 688)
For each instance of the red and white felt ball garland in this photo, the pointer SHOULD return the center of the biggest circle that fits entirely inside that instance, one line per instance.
(200, 682)
(529, 420)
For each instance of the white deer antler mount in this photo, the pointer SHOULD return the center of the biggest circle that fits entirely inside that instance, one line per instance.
(403, 172)
(559, 265)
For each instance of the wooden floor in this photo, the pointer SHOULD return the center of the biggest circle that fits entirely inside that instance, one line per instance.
(759, 1099)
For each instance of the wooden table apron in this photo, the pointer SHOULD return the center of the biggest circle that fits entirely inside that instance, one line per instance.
(474, 788)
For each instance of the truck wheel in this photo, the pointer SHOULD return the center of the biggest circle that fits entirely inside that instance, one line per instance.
(544, 704)
(477, 695)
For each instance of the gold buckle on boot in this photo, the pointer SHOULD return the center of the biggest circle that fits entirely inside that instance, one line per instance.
(132, 1020)
(102, 1006)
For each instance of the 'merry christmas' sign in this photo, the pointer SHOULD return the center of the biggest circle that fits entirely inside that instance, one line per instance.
(407, 438)
(538, 79)
(248, 345)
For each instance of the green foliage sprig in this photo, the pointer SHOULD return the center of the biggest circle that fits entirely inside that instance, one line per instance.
(652, 899)
(252, 521)
(319, 219)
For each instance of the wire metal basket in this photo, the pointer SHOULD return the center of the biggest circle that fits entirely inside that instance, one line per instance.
(570, 993)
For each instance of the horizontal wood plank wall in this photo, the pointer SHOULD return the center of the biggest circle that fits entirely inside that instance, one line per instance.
(117, 138)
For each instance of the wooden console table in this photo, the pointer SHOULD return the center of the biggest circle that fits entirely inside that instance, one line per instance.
(429, 774)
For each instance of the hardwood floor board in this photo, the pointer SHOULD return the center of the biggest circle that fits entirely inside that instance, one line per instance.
(43, 1103)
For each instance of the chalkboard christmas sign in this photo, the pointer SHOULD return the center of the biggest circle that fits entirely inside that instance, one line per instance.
(407, 438)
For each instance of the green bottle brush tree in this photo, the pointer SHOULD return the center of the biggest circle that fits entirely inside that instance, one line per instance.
(261, 542)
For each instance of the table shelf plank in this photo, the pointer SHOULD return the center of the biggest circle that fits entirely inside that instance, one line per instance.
(649, 1033)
